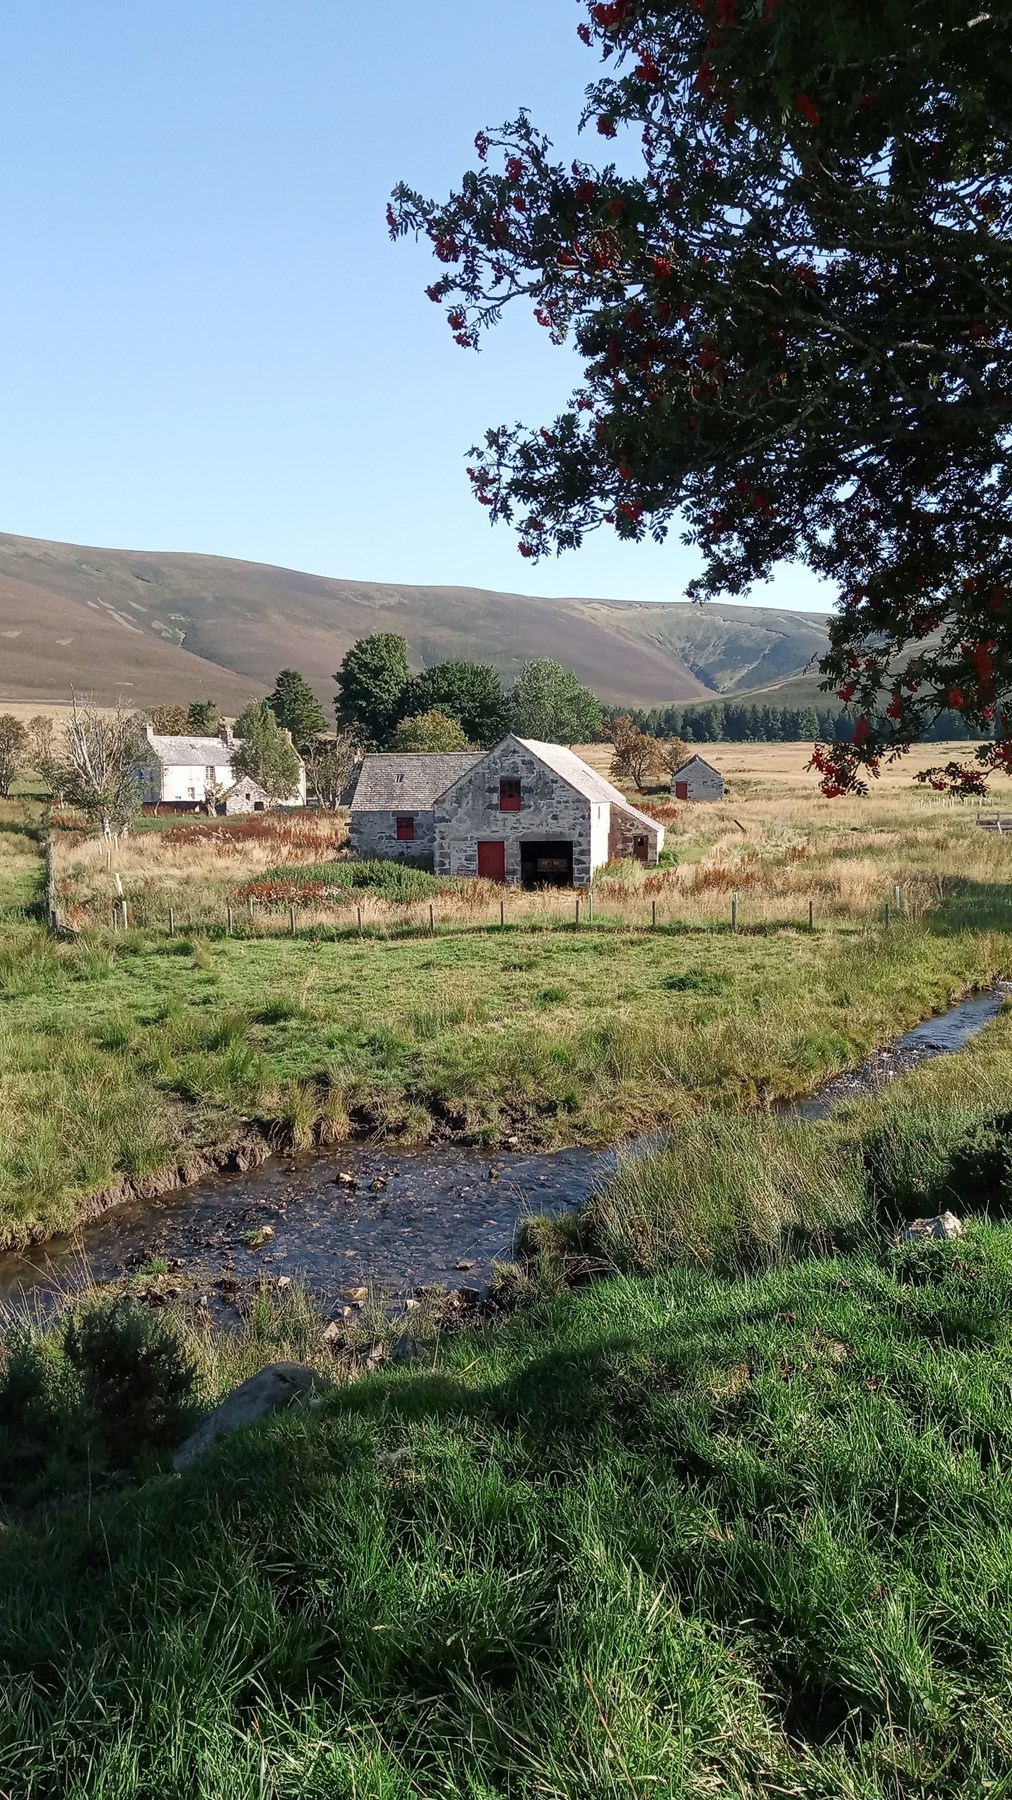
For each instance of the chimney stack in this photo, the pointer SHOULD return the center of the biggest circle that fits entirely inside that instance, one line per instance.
(225, 733)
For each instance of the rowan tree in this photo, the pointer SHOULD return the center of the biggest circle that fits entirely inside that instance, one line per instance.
(98, 770)
(637, 756)
(794, 317)
(330, 764)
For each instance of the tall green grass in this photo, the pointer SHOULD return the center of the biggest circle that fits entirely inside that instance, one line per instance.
(684, 1536)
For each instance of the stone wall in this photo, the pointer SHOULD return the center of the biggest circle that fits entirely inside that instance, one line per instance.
(550, 809)
(373, 836)
(624, 831)
(703, 783)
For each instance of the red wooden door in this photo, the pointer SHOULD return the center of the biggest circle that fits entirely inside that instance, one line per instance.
(492, 860)
(681, 790)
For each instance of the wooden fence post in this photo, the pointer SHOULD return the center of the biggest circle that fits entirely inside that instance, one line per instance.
(51, 908)
(590, 907)
(898, 897)
(653, 915)
(502, 912)
(229, 925)
(172, 921)
(734, 911)
(811, 915)
(125, 914)
(432, 919)
(578, 910)
(291, 914)
(358, 914)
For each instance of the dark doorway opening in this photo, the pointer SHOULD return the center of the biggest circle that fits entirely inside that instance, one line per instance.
(546, 865)
(641, 848)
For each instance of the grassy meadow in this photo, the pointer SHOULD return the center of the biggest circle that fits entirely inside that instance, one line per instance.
(717, 1504)
(679, 1534)
(127, 1052)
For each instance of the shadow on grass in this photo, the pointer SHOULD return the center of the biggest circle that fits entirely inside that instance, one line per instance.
(973, 906)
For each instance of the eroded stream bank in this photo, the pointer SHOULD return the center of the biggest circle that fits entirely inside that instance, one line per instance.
(436, 1217)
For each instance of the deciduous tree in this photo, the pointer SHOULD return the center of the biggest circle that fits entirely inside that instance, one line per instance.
(171, 720)
(265, 753)
(471, 693)
(794, 318)
(637, 756)
(98, 770)
(432, 730)
(330, 764)
(370, 685)
(549, 703)
(13, 750)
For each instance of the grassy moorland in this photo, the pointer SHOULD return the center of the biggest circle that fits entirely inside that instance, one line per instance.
(124, 1053)
(731, 1519)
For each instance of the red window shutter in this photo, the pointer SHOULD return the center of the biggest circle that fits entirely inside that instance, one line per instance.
(406, 827)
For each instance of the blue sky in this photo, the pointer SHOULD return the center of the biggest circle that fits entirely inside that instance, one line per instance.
(211, 343)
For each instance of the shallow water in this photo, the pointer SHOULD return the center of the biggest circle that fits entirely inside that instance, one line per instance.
(439, 1216)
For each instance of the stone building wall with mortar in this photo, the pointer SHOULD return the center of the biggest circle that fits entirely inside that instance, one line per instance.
(625, 829)
(373, 836)
(550, 809)
(703, 783)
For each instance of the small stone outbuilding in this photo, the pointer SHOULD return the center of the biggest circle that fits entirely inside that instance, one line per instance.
(391, 807)
(524, 813)
(697, 780)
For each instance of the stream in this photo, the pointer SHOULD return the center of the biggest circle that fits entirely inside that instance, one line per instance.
(397, 1221)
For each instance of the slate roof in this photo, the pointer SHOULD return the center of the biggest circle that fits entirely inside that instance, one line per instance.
(584, 779)
(175, 751)
(687, 764)
(392, 781)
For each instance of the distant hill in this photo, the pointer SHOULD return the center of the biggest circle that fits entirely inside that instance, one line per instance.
(163, 626)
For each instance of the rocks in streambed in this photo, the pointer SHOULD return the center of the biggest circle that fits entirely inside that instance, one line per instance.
(943, 1225)
(271, 1390)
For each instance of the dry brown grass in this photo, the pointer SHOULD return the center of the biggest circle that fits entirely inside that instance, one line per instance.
(774, 841)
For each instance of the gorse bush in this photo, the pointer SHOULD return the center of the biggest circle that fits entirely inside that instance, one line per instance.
(40, 1417)
(387, 880)
(135, 1378)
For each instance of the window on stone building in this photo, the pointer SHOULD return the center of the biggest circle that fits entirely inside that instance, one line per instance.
(509, 794)
(406, 827)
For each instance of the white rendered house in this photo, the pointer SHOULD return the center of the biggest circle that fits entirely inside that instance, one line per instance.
(178, 772)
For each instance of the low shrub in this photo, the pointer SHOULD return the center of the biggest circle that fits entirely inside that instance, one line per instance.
(921, 1161)
(282, 890)
(136, 1381)
(39, 1414)
(388, 880)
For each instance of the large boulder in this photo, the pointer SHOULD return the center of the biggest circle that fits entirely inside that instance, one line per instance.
(272, 1389)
